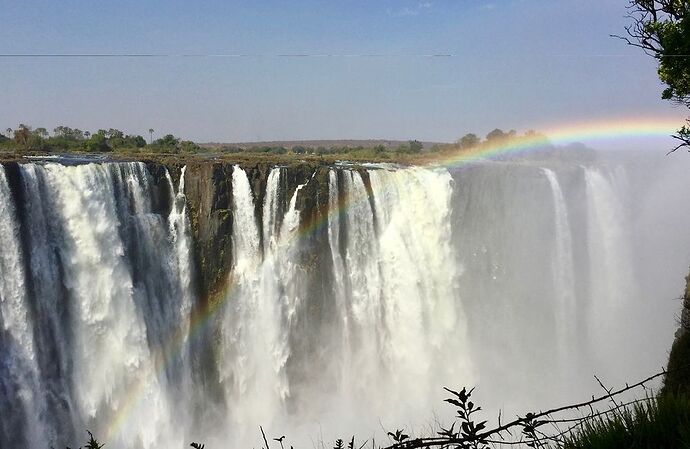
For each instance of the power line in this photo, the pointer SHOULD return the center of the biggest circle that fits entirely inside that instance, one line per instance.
(223, 55)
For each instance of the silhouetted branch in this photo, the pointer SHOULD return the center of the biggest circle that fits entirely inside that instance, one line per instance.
(528, 420)
(264, 435)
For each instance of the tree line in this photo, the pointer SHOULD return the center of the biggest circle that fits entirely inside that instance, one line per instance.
(65, 139)
(26, 139)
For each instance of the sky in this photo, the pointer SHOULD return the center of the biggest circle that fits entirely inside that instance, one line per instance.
(370, 73)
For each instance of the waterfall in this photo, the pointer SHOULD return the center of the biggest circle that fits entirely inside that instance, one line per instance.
(339, 286)
(20, 390)
(610, 262)
(423, 322)
(271, 209)
(253, 349)
(352, 295)
(563, 273)
(100, 267)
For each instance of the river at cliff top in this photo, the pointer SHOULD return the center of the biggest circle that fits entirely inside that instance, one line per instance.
(156, 307)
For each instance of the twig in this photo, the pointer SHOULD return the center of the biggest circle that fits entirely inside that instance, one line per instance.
(264, 435)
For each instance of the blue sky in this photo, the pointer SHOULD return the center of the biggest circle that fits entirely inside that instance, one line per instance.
(513, 64)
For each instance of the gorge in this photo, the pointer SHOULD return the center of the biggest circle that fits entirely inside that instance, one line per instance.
(159, 303)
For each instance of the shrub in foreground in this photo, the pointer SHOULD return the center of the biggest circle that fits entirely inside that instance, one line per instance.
(662, 422)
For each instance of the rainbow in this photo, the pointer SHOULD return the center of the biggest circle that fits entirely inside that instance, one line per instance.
(613, 130)
(620, 130)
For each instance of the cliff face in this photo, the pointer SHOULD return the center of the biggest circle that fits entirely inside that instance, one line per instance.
(208, 187)
(678, 378)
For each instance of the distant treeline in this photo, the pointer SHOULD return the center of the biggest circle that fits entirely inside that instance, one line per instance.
(26, 139)
(471, 140)
(379, 150)
(65, 139)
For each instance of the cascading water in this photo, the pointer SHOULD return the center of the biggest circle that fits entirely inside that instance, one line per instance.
(253, 352)
(354, 294)
(101, 284)
(563, 273)
(21, 391)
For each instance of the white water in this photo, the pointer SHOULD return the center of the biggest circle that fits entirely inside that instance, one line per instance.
(413, 279)
(611, 275)
(563, 274)
(19, 376)
(253, 351)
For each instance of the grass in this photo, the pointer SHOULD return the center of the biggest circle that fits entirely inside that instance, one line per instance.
(662, 422)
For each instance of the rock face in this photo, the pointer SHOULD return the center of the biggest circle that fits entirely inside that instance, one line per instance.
(678, 377)
(208, 187)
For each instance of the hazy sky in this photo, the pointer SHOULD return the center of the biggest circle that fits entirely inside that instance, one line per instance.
(513, 64)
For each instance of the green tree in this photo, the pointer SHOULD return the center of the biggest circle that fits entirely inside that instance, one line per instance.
(299, 149)
(469, 140)
(662, 29)
(187, 146)
(113, 133)
(379, 149)
(150, 135)
(496, 134)
(415, 146)
(97, 143)
(22, 134)
(138, 141)
(167, 144)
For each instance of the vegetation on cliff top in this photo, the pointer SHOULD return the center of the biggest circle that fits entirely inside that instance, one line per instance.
(26, 140)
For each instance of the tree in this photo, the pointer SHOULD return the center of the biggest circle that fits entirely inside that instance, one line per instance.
(661, 28)
(138, 141)
(22, 134)
(496, 134)
(187, 146)
(415, 146)
(113, 133)
(167, 144)
(98, 142)
(469, 140)
(150, 135)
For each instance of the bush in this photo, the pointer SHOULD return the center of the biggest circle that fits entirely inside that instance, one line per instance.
(662, 422)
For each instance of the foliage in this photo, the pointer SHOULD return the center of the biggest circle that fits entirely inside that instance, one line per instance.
(98, 142)
(468, 429)
(663, 422)
(92, 443)
(499, 134)
(469, 140)
(650, 422)
(415, 146)
(662, 29)
(166, 144)
(187, 146)
(66, 139)
(678, 381)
